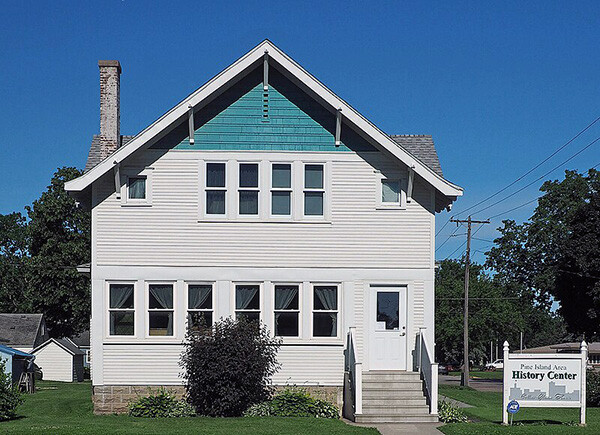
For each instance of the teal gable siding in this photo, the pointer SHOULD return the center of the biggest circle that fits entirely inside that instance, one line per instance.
(236, 121)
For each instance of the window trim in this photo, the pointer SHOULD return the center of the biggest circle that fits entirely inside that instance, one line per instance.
(147, 308)
(281, 189)
(323, 190)
(287, 338)
(108, 309)
(338, 311)
(261, 300)
(401, 205)
(240, 189)
(126, 175)
(187, 300)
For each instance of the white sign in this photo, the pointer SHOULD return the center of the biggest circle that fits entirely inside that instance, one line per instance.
(545, 380)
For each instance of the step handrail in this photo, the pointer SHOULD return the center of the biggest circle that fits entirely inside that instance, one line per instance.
(428, 369)
(354, 370)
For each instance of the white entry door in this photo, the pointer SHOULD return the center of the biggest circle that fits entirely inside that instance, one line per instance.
(387, 345)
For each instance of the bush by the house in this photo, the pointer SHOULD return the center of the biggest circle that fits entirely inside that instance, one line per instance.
(228, 367)
(593, 388)
(449, 413)
(161, 404)
(293, 402)
(10, 397)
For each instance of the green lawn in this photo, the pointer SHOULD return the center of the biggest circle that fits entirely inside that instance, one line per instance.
(67, 408)
(487, 416)
(481, 374)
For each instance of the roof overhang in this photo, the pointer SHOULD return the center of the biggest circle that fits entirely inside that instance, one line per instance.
(232, 74)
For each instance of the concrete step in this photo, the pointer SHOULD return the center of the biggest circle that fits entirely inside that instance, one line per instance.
(396, 418)
(391, 376)
(396, 410)
(392, 385)
(408, 401)
(385, 393)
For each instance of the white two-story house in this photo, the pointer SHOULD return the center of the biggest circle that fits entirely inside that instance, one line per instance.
(263, 194)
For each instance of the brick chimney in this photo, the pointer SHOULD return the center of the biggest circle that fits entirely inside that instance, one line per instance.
(110, 113)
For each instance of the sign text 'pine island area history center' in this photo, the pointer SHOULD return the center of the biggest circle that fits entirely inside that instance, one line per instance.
(545, 380)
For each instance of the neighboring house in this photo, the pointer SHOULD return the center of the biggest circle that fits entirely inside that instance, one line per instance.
(265, 195)
(573, 347)
(59, 360)
(16, 362)
(82, 342)
(22, 331)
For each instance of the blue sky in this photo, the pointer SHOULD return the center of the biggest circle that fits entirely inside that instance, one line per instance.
(500, 86)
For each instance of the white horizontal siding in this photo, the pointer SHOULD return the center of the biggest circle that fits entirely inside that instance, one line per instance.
(55, 362)
(158, 364)
(168, 232)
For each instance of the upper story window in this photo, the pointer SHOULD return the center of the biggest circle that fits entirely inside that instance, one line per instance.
(247, 301)
(200, 305)
(136, 188)
(121, 309)
(215, 188)
(325, 310)
(313, 190)
(248, 189)
(281, 189)
(287, 310)
(390, 191)
(160, 309)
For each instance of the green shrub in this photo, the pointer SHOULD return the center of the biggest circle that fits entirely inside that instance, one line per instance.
(228, 367)
(593, 388)
(161, 404)
(449, 413)
(10, 397)
(293, 402)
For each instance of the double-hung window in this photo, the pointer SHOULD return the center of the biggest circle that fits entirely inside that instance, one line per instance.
(281, 189)
(200, 305)
(160, 309)
(121, 309)
(248, 189)
(215, 188)
(286, 310)
(314, 191)
(247, 301)
(325, 310)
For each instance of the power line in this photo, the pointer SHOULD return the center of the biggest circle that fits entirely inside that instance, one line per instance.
(534, 168)
(448, 238)
(539, 178)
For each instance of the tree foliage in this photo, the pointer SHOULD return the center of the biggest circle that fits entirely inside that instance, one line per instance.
(556, 253)
(38, 258)
(228, 367)
(498, 310)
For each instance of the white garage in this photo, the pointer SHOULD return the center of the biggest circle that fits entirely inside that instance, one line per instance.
(59, 360)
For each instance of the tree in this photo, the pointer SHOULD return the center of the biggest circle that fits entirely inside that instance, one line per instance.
(498, 310)
(38, 259)
(556, 253)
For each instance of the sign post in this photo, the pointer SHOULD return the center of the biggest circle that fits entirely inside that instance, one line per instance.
(554, 380)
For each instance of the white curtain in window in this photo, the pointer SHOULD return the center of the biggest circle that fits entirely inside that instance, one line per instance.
(137, 188)
(119, 295)
(243, 296)
(283, 297)
(163, 295)
(198, 295)
(327, 296)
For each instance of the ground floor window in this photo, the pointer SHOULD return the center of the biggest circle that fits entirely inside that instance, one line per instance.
(121, 309)
(325, 310)
(287, 310)
(247, 301)
(200, 305)
(160, 309)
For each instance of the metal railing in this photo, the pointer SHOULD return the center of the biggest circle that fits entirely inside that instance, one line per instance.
(428, 370)
(352, 378)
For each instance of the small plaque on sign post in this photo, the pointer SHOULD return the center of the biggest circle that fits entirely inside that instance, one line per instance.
(513, 407)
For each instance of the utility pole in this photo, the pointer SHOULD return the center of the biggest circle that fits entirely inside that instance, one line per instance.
(465, 374)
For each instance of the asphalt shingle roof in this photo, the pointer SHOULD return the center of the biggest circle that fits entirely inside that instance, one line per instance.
(422, 147)
(94, 154)
(19, 329)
